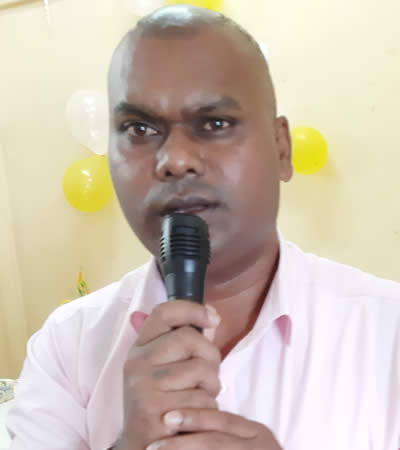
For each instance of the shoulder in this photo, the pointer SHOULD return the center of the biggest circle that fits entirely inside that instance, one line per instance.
(337, 298)
(70, 339)
(342, 280)
(108, 300)
(335, 290)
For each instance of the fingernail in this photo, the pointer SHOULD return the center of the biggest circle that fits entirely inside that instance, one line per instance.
(137, 319)
(209, 333)
(173, 418)
(213, 317)
(155, 445)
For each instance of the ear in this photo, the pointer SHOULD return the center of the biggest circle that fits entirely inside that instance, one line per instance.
(284, 147)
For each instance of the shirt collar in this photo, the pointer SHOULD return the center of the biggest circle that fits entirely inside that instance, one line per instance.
(277, 308)
(150, 290)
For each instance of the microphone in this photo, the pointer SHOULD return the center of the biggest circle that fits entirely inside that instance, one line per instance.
(184, 256)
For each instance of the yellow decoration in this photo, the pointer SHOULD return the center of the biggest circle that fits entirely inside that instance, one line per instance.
(63, 302)
(82, 288)
(216, 5)
(81, 285)
(87, 184)
(310, 150)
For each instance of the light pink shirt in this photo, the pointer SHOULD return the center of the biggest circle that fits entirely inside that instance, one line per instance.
(321, 367)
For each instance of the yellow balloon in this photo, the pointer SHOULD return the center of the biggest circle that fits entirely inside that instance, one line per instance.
(310, 151)
(87, 184)
(216, 5)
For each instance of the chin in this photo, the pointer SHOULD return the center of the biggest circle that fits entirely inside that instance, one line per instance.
(221, 244)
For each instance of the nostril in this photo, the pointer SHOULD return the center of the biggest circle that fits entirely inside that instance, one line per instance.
(168, 173)
(191, 171)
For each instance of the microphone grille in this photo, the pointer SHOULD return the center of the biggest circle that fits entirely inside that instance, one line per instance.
(184, 235)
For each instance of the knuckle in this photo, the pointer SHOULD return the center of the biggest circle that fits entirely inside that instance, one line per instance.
(160, 312)
(208, 376)
(216, 355)
(213, 372)
(185, 338)
(192, 339)
(160, 372)
(196, 398)
(206, 401)
(202, 367)
(133, 364)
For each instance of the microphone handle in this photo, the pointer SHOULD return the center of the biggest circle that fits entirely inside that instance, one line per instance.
(173, 297)
(186, 284)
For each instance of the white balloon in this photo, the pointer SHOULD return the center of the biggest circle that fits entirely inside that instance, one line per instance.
(87, 116)
(142, 7)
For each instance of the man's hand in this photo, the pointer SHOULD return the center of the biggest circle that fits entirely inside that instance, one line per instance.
(210, 429)
(170, 366)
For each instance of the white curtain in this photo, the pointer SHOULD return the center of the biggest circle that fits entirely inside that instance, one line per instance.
(13, 329)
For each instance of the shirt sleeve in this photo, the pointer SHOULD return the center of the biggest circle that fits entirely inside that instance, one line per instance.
(47, 412)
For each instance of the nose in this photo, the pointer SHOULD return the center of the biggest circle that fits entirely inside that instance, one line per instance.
(179, 157)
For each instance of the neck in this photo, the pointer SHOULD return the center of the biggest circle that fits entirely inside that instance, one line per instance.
(239, 299)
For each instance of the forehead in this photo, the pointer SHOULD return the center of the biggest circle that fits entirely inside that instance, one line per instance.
(177, 70)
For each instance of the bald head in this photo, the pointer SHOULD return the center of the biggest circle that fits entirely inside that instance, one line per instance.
(182, 21)
(189, 19)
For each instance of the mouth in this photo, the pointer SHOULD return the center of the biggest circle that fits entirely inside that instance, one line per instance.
(188, 205)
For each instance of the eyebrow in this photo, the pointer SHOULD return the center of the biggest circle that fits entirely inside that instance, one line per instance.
(126, 108)
(129, 109)
(210, 106)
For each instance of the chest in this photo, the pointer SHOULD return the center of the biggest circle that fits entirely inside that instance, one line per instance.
(314, 396)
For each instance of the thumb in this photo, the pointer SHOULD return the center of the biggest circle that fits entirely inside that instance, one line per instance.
(137, 320)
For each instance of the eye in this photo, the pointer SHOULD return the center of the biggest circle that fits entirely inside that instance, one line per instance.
(139, 129)
(216, 124)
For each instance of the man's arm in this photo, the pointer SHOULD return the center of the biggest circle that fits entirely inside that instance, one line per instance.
(47, 412)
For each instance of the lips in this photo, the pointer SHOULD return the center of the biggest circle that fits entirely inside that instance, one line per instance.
(187, 205)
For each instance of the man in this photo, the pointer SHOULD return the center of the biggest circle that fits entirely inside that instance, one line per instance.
(297, 352)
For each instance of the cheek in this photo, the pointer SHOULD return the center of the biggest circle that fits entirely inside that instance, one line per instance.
(121, 171)
(250, 168)
(128, 173)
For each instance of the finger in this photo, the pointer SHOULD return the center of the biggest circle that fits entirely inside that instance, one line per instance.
(177, 313)
(198, 420)
(179, 345)
(190, 398)
(205, 440)
(189, 374)
(144, 414)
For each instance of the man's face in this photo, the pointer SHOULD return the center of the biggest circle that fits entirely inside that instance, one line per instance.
(193, 130)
